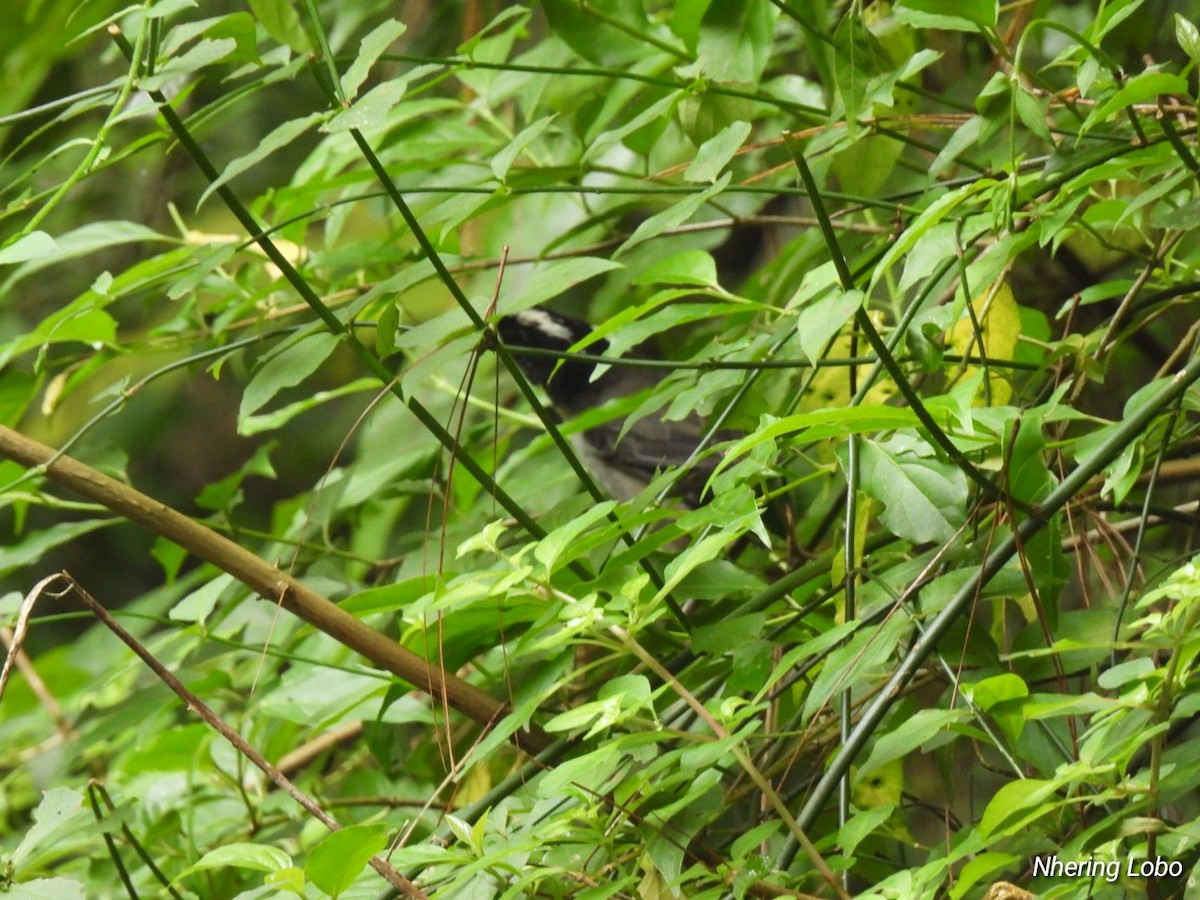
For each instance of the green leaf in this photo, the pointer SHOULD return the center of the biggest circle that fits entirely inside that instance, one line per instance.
(704, 114)
(931, 216)
(219, 494)
(372, 46)
(279, 138)
(716, 152)
(24, 553)
(864, 658)
(204, 54)
(721, 637)
(281, 21)
(960, 15)
(854, 64)
(1142, 88)
(35, 245)
(820, 424)
(285, 368)
(240, 27)
(673, 215)
(1017, 805)
(655, 113)
(686, 18)
(256, 857)
(984, 865)
(581, 775)
(83, 320)
(735, 40)
(924, 499)
(551, 549)
(818, 322)
(998, 689)
(371, 110)
(1188, 37)
(550, 280)
(1185, 217)
(862, 825)
(1031, 112)
(592, 37)
(908, 735)
(82, 241)
(59, 816)
(339, 858)
(503, 159)
(696, 267)
(277, 418)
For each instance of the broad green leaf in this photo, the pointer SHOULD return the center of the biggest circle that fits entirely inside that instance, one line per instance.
(673, 215)
(1031, 113)
(24, 552)
(931, 216)
(555, 546)
(585, 773)
(861, 825)
(550, 280)
(285, 368)
(592, 37)
(924, 499)
(821, 424)
(655, 112)
(281, 20)
(686, 18)
(716, 152)
(256, 857)
(1017, 805)
(961, 15)
(1188, 37)
(202, 55)
(728, 634)
(503, 159)
(855, 61)
(372, 46)
(597, 713)
(705, 114)
(81, 241)
(696, 267)
(1142, 88)
(197, 605)
(281, 137)
(1111, 15)
(35, 245)
(866, 657)
(46, 889)
(371, 110)
(735, 40)
(277, 418)
(818, 322)
(60, 814)
(339, 858)
(908, 735)
(998, 689)
(984, 865)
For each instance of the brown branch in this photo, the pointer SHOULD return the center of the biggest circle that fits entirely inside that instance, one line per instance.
(266, 580)
(196, 705)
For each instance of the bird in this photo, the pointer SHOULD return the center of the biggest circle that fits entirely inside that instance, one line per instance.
(622, 464)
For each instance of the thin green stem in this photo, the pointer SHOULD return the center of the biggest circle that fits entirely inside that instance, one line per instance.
(1128, 431)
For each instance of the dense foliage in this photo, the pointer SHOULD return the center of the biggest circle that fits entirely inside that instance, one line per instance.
(934, 263)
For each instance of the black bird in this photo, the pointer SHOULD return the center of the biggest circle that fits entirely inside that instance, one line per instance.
(622, 466)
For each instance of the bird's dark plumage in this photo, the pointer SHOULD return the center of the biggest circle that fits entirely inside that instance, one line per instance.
(623, 465)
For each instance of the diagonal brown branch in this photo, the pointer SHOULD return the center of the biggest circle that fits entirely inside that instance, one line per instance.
(196, 705)
(265, 579)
